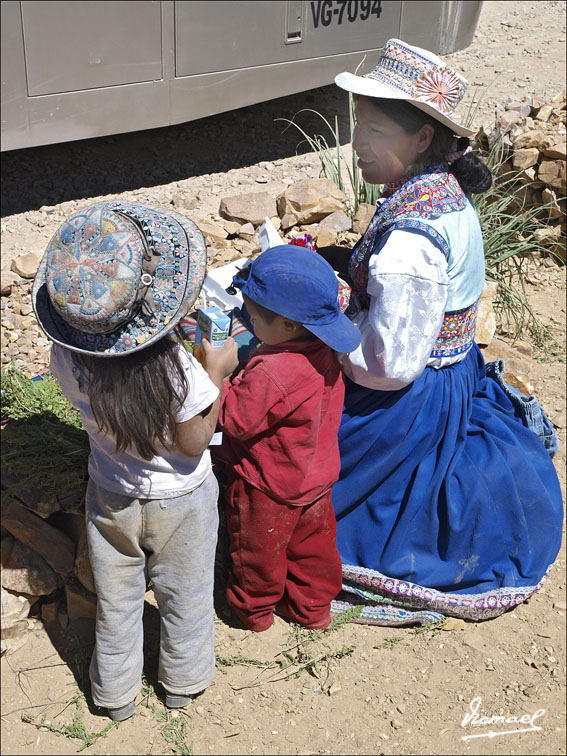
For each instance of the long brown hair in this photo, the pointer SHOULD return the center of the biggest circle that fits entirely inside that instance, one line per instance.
(134, 397)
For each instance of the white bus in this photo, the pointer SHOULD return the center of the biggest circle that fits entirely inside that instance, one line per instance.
(80, 69)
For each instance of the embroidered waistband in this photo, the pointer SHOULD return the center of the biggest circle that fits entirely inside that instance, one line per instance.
(457, 332)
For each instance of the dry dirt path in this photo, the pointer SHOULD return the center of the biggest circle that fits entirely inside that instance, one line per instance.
(382, 690)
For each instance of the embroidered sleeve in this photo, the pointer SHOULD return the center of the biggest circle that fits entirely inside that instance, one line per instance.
(408, 287)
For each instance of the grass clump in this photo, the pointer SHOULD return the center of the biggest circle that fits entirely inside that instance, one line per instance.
(44, 445)
(76, 730)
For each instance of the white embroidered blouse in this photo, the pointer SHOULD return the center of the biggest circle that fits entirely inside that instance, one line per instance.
(408, 287)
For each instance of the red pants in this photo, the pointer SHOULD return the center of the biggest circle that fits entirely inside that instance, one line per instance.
(282, 556)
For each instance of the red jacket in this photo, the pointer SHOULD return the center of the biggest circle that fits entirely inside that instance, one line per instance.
(280, 417)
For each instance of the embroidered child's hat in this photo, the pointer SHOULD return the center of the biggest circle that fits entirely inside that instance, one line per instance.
(416, 75)
(299, 284)
(118, 276)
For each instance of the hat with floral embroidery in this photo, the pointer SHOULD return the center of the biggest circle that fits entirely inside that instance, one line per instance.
(118, 276)
(418, 76)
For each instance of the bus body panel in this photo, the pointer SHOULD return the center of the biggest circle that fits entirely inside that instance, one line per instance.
(80, 69)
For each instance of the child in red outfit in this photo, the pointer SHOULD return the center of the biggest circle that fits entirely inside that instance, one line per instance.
(280, 418)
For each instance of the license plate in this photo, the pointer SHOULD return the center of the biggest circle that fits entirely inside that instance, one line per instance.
(327, 12)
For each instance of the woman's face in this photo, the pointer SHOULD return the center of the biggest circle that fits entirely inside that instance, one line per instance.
(385, 150)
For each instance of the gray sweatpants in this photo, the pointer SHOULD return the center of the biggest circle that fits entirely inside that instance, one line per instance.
(173, 542)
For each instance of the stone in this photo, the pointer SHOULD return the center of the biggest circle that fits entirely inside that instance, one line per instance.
(55, 547)
(248, 208)
(520, 370)
(8, 279)
(211, 231)
(288, 221)
(544, 113)
(529, 138)
(231, 227)
(246, 231)
(326, 237)
(15, 609)
(549, 198)
(26, 265)
(81, 604)
(486, 317)
(25, 571)
(337, 221)
(556, 151)
(509, 117)
(363, 216)
(311, 200)
(552, 173)
(525, 158)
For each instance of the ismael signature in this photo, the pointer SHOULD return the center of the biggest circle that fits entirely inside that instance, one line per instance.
(475, 718)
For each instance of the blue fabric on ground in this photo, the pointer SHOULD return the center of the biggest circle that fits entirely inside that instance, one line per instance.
(441, 484)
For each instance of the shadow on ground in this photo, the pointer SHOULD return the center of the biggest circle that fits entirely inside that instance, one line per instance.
(52, 174)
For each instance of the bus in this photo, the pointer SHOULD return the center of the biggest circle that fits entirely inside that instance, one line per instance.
(80, 69)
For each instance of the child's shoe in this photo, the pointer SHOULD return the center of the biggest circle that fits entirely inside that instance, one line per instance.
(174, 701)
(120, 713)
(284, 610)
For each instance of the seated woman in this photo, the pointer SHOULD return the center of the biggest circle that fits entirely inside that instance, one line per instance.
(446, 502)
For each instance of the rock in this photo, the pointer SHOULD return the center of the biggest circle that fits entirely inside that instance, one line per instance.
(49, 612)
(337, 221)
(311, 200)
(521, 371)
(231, 227)
(54, 546)
(556, 151)
(246, 231)
(8, 279)
(15, 609)
(486, 317)
(288, 221)
(452, 623)
(525, 158)
(529, 138)
(25, 571)
(552, 173)
(81, 604)
(544, 113)
(26, 265)
(326, 237)
(248, 208)
(364, 214)
(211, 231)
(509, 117)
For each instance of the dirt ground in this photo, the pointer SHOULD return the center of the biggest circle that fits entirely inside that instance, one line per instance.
(361, 689)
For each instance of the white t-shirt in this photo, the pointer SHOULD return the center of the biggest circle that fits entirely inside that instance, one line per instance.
(168, 474)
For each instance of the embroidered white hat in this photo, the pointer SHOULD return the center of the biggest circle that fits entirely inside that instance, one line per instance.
(418, 76)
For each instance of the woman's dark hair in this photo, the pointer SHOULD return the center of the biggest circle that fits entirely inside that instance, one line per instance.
(470, 171)
(133, 397)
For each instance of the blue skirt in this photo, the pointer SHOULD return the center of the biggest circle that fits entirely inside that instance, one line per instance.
(442, 487)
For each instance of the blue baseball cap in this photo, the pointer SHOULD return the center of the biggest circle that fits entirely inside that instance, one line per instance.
(299, 284)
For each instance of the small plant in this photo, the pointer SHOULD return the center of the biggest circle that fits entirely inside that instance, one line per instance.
(77, 729)
(174, 732)
(334, 164)
(389, 643)
(510, 243)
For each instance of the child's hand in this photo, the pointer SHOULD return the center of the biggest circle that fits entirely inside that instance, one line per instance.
(221, 362)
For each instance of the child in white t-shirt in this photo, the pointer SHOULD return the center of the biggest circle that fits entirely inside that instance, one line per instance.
(114, 282)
